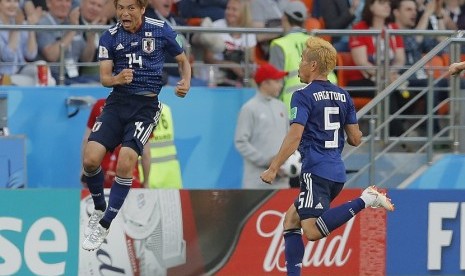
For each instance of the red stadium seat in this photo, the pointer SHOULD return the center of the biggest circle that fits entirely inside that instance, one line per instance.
(345, 59)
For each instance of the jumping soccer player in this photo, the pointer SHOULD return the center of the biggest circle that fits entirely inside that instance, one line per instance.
(131, 55)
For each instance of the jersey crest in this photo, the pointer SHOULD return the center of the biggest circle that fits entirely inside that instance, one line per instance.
(148, 45)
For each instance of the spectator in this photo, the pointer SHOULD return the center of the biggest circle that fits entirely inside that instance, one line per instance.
(43, 4)
(215, 9)
(267, 14)
(109, 13)
(91, 13)
(453, 9)
(17, 47)
(341, 14)
(110, 159)
(75, 47)
(162, 10)
(432, 16)
(404, 13)
(261, 126)
(286, 51)
(363, 49)
(234, 45)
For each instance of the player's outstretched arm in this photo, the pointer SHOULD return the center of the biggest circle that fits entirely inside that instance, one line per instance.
(354, 135)
(456, 68)
(288, 147)
(185, 72)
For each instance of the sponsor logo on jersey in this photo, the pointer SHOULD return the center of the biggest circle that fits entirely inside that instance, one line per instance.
(102, 52)
(119, 47)
(319, 206)
(149, 34)
(148, 45)
(135, 43)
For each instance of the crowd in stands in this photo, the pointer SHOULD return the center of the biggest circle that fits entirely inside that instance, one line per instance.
(228, 52)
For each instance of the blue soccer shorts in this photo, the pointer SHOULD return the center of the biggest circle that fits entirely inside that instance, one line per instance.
(315, 195)
(128, 120)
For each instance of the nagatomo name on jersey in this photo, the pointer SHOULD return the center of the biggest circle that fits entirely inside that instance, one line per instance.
(329, 95)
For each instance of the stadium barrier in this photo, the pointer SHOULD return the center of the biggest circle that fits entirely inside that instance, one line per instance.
(205, 232)
(53, 120)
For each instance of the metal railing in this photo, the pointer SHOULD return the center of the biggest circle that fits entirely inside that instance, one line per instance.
(188, 30)
(376, 112)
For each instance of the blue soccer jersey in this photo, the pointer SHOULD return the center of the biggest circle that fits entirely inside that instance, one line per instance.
(144, 51)
(323, 109)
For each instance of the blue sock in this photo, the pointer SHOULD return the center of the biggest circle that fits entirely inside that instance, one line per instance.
(119, 190)
(94, 182)
(293, 251)
(335, 217)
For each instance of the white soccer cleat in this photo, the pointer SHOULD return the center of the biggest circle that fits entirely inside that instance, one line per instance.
(94, 219)
(96, 238)
(375, 199)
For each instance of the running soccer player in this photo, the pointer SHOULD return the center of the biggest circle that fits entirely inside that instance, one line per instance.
(320, 113)
(131, 56)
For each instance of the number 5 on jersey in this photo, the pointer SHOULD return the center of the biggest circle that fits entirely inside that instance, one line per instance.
(332, 126)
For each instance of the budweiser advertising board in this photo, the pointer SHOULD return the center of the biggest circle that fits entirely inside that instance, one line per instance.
(229, 232)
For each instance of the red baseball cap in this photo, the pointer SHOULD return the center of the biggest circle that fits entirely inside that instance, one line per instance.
(267, 71)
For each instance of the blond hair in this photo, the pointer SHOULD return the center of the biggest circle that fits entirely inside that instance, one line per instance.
(246, 14)
(322, 52)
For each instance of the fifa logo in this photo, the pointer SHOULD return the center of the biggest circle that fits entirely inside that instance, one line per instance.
(439, 237)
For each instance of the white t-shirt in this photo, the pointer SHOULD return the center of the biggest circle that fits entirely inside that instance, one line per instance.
(241, 43)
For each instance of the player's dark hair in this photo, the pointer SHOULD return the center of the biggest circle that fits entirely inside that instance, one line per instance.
(140, 3)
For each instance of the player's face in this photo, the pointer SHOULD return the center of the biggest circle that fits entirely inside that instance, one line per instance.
(305, 68)
(130, 14)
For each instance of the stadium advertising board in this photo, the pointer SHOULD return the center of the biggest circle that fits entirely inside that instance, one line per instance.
(38, 232)
(146, 238)
(254, 244)
(226, 232)
(426, 234)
